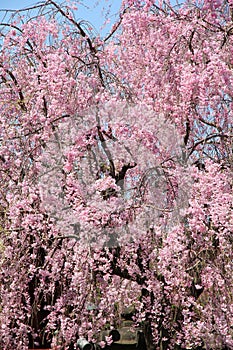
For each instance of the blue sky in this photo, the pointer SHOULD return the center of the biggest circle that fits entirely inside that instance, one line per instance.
(90, 10)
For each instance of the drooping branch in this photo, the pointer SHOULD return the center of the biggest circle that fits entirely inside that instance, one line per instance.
(21, 96)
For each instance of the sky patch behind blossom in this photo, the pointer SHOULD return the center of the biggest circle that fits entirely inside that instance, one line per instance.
(95, 12)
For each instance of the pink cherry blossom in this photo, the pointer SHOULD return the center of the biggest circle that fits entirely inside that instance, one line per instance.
(116, 176)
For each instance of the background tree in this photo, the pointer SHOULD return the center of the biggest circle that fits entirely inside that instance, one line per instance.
(116, 175)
